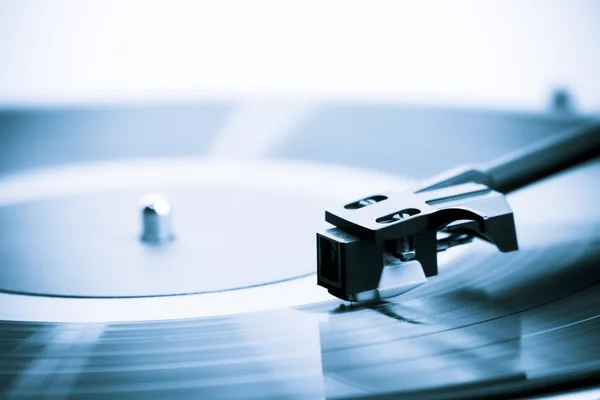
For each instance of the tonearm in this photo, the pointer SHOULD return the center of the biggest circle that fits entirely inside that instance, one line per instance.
(385, 244)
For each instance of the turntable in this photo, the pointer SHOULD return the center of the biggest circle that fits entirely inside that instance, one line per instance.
(169, 252)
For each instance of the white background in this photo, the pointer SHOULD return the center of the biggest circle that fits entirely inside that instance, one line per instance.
(507, 54)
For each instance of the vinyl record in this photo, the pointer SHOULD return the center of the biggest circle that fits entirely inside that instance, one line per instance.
(230, 308)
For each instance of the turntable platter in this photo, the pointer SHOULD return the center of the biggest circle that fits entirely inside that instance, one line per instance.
(452, 340)
(232, 310)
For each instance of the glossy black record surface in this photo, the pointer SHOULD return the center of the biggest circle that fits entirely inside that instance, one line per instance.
(509, 328)
(490, 325)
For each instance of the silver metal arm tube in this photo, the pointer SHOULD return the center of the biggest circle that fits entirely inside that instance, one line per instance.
(530, 164)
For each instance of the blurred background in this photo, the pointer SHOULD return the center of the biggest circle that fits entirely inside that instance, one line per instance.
(503, 54)
(403, 86)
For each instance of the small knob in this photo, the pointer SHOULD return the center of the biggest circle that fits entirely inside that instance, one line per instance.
(156, 219)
